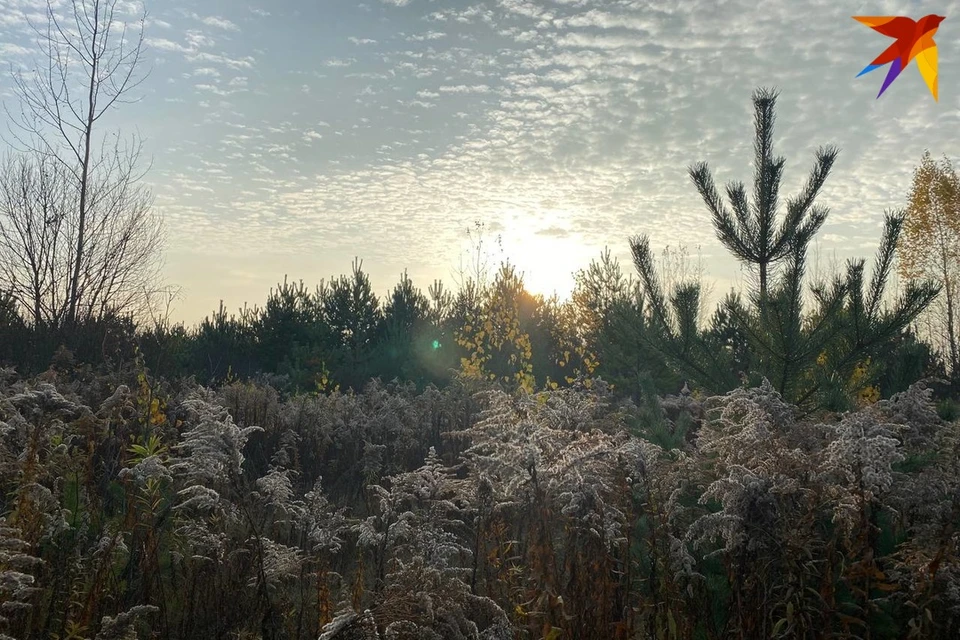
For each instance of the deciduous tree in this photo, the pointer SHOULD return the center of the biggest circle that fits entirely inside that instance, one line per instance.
(77, 235)
(930, 246)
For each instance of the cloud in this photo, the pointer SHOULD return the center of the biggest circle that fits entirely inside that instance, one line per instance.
(602, 41)
(219, 23)
(570, 124)
(462, 88)
(423, 104)
(429, 35)
(339, 62)
(216, 22)
(198, 40)
(197, 49)
(554, 232)
(606, 20)
(166, 45)
(526, 8)
(243, 62)
(10, 49)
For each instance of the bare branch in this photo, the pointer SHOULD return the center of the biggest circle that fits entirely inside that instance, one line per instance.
(77, 238)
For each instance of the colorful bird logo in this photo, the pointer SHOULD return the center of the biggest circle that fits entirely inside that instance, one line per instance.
(914, 40)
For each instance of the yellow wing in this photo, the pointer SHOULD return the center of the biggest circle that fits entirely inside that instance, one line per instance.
(927, 63)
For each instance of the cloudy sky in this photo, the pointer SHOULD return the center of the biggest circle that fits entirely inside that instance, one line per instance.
(289, 136)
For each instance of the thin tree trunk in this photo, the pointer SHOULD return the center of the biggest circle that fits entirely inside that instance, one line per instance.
(85, 169)
(952, 329)
(948, 285)
(763, 281)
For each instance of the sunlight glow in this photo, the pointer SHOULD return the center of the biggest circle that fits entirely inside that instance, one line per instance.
(545, 250)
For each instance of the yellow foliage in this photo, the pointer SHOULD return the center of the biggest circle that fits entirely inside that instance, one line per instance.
(930, 243)
(865, 394)
(494, 335)
(859, 373)
(152, 408)
(323, 381)
(868, 395)
(497, 341)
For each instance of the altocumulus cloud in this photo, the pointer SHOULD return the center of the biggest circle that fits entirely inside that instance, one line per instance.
(567, 125)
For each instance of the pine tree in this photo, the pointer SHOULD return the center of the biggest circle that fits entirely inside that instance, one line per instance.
(352, 312)
(673, 328)
(801, 354)
(285, 323)
(407, 334)
(751, 232)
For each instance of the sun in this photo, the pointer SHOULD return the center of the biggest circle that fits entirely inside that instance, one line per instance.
(546, 256)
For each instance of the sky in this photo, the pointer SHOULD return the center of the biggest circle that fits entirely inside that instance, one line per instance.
(289, 137)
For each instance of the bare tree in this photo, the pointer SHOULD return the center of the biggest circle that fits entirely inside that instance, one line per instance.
(39, 223)
(77, 236)
(34, 201)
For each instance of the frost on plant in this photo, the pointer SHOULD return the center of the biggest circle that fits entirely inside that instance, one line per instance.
(213, 447)
(123, 626)
(17, 583)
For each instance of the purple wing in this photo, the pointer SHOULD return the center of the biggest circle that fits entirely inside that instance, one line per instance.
(896, 66)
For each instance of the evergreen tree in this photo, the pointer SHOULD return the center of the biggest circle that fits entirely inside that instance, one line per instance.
(865, 329)
(13, 331)
(288, 320)
(672, 326)
(352, 312)
(751, 232)
(610, 315)
(805, 356)
(408, 334)
(224, 346)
